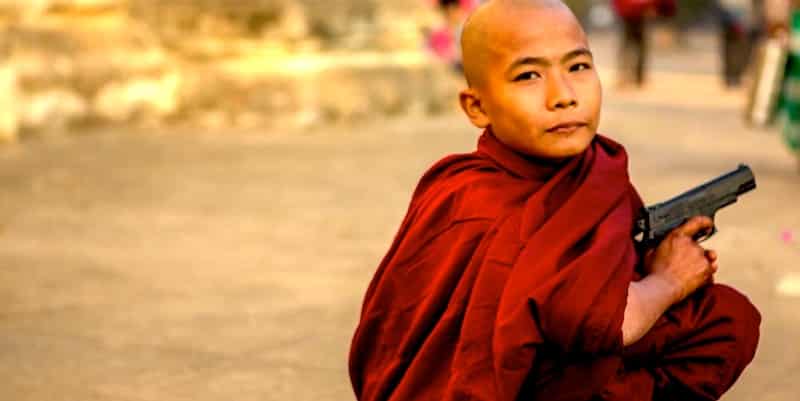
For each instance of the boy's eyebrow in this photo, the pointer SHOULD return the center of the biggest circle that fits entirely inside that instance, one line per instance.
(582, 51)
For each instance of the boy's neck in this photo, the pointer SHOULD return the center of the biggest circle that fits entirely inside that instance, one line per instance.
(517, 162)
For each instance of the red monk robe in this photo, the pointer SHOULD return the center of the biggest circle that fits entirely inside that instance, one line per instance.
(508, 280)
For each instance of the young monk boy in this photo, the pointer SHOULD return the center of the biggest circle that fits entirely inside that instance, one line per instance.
(514, 275)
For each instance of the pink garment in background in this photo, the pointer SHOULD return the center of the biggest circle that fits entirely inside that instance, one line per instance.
(443, 44)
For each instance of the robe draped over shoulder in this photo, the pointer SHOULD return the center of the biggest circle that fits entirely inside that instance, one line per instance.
(500, 261)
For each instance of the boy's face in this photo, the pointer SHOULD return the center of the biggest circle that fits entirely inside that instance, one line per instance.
(539, 92)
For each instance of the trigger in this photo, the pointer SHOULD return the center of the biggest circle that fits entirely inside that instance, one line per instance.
(704, 235)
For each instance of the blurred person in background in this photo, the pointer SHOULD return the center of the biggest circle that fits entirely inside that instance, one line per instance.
(635, 16)
(740, 25)
(444, 41)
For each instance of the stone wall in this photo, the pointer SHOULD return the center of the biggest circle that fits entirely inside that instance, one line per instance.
(65, 64)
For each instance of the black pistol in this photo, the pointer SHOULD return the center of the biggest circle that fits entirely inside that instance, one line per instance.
(656, 221)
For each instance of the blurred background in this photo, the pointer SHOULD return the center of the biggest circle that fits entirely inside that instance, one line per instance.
(72, 64)
(194, 194)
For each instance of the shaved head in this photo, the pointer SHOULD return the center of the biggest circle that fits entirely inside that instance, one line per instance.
(484, 24)
(531, 76)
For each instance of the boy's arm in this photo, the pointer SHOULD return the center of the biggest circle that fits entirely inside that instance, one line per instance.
(648, 299)
(676, 269)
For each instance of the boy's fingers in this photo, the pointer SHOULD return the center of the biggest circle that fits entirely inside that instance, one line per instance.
(695, 225)
(711, 255)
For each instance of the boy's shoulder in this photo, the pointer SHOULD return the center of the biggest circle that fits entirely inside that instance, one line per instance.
(465, 186)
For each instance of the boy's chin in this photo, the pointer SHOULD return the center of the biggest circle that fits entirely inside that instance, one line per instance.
(550, 146)
(565, 148)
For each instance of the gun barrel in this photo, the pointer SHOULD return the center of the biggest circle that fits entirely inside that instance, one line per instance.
(742, 176)
(742, 179)
(749, 183)
(706, 199)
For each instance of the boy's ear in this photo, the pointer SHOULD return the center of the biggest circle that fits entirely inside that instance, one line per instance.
(471, 104)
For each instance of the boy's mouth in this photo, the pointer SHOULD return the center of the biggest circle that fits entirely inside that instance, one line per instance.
(566, 127)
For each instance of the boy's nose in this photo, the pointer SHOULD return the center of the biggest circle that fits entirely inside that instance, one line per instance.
(560, 94)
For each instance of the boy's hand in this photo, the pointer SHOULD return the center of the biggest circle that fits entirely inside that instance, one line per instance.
(681, 262)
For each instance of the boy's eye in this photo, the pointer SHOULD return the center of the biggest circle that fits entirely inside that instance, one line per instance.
(580, 67)
(526, 76)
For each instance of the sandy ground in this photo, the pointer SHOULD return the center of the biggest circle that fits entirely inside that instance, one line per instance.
(231, 265)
